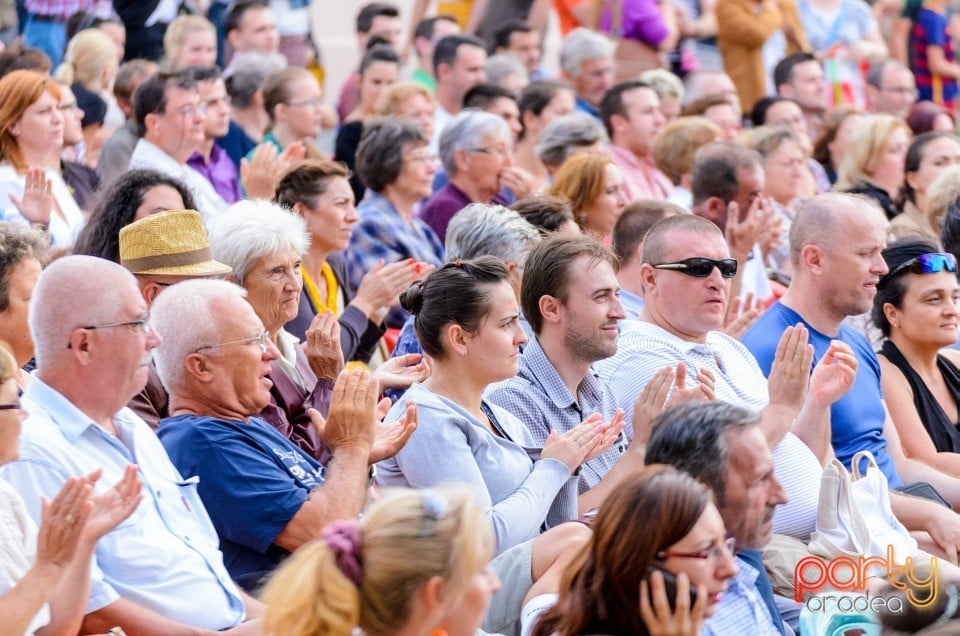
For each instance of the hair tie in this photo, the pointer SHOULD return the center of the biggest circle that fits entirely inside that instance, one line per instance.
(343, 537)
(458, 263)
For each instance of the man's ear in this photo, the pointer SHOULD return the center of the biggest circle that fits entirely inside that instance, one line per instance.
(811, 257)
(198, 368)
(550, 308)
(648, 276)
(713, 210)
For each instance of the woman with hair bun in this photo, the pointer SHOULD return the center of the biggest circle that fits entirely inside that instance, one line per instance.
(360, 578)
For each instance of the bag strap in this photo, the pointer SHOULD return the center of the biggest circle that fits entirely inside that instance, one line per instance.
(871, 463)
(860, 532)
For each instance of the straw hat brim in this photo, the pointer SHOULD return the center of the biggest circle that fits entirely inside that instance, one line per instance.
(206, 268)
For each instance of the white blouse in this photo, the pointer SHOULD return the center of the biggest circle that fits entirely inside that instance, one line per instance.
(18, 547)
(63, 228)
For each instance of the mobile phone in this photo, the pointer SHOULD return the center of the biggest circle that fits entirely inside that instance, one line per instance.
(670, 585)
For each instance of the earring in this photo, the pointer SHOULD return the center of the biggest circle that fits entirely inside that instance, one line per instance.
(439, 632)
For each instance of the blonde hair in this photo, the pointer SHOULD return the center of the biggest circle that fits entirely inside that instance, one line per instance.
(390, 100)
(407, 538)
(867, 141)
(87, 54)
(177, 32)
(940, 193)
(674, 148)
(8, 364)
(581, 179)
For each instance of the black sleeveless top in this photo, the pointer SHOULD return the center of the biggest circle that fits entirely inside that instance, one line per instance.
(943, 432)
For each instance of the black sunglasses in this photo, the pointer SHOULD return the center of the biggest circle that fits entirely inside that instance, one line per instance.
(701, 267)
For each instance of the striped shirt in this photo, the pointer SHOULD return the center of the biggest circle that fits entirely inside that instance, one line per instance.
(644, 348)
(538, 397)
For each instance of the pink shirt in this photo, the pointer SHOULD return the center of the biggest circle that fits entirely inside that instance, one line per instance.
(641, 178)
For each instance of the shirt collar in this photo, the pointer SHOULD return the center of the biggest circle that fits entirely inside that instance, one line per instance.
(72, 421)
(535, 359)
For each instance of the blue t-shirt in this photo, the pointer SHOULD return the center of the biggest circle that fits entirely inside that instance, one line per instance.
(856, 419)
(253, 480)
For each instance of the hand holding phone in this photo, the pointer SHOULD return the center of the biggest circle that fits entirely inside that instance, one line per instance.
(669, 605)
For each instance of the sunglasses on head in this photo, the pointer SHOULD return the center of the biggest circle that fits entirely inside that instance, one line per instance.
(926, 264)
(701, 267)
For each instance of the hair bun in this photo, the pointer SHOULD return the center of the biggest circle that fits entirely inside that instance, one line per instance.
(411, 298)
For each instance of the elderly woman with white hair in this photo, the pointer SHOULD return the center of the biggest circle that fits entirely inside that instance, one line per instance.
(264, 245)
(476, 149)
(567, 136)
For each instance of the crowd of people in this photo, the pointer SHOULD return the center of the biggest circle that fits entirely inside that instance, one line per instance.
(486, 340)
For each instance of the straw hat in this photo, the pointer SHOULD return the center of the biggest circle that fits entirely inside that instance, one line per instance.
(172, 243)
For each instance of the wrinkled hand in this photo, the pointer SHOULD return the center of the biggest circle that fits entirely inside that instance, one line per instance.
(790, 372)
(573, 447)
(660, 619)
(834, 374)
(62, 521)
(352, 419)
(611, 433)
(741, 315)
(402, 371)
(381, 286)
(114, 506)
(37, 203)
(322, 346)
(390, 438)
(520, 182)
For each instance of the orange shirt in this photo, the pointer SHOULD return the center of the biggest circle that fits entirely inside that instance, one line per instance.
(563, 9)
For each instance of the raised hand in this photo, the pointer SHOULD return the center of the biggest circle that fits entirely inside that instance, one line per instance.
(380, 287)
(573, 447)
(610, 434)
(390, 438)
(114, 506)
(660, 619)
(681, 393)
(741, 315)
(322, 346)
(37, 203)
(790, 372)
(352, 419)
(834, 374)
(520, 182)
(62, 521)
(402, 371)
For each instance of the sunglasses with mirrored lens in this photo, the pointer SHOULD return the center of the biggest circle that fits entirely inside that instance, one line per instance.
(701, 267)
(926, 264)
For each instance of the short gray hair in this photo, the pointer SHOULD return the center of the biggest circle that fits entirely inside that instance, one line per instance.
(664, 83)
(581, 45)
(247, 74)
(74, 291)
(483, 229)
(182, 318)
(465, 131)
(504, 65)
(249, 230)
(563, 133)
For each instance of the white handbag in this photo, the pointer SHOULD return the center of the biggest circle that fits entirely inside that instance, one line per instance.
(854, 517)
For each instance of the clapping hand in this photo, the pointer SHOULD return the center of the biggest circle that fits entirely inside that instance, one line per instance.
(37, 203)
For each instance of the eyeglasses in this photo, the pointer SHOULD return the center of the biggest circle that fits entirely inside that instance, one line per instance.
(925, 264)
(717, 552)
(503, 151)
(701, 267)
(261, 339)
(422, 158)
(142, 324)
(316, 102)
(16, 406)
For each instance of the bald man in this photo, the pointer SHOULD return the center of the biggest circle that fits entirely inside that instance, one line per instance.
(160, 572)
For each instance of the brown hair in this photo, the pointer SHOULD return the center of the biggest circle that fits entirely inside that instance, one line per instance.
(276, 88)
(581, 179)
(547, 271)
(635, 221)
(306, 181)
(699, 107)
(679, 140)
(832, 121)
(651, 510)
(18, 91)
